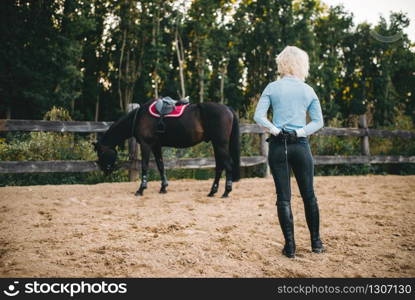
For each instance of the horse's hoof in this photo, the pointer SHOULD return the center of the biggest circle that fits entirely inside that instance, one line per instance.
(225, 196)
(211, 194)
(138, 193)
(163, 192)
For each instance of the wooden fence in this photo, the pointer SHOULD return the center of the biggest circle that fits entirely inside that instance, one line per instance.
(133, 164)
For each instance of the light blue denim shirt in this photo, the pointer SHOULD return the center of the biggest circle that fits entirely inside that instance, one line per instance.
(291, 99)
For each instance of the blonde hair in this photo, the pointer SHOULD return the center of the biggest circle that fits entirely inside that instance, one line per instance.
(293, 61)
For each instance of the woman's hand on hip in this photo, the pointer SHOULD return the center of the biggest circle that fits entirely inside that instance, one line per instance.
(274, 131)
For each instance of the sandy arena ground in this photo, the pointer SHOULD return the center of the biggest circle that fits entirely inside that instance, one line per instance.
(368, 226)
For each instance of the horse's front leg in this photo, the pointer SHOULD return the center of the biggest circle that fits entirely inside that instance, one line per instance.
(145, 158)
(160, 166)
(224, 159)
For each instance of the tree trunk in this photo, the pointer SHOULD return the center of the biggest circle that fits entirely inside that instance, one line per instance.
(9, 112)
(180, 58)
(222, 87)
(72, 106)
(156, 30)
(97, 108)
(128, 78)
(222, 72)
(202, 85)
(120, 68)
(200, 71)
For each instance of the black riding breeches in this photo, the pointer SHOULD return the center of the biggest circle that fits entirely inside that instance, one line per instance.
(283, 157)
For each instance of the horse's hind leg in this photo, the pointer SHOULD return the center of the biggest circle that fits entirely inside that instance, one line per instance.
(215, 185)
(145, 158)
(160, 166)
(228, 170)
(223, 161)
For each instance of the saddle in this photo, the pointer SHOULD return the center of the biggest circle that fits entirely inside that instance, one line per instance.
(167, 107)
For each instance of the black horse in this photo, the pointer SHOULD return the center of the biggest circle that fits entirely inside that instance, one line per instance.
(200, 122)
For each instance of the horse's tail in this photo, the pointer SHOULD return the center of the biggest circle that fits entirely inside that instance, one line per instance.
(235, 148)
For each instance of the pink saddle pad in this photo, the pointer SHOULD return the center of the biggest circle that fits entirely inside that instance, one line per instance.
(177, 112)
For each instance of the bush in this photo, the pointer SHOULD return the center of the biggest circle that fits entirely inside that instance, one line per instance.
(331, 145)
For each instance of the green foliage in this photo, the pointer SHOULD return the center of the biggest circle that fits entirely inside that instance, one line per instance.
(46, 145)
(365, 169)
(395, 146)
(333, 145)
(94, 57)
(330, 145)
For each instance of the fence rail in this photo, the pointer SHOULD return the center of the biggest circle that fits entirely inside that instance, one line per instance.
(133, 164)
(96, 127)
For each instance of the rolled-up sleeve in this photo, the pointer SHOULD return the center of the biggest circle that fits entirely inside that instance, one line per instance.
(260, 116)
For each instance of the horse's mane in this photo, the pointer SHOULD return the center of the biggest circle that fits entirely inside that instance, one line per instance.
(119, 131)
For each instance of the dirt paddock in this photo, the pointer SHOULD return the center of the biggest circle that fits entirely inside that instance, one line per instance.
(368, 226)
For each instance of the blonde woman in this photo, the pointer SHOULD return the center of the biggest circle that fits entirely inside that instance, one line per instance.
(291, 99)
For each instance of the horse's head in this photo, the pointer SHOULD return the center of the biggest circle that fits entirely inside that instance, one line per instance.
(106, 157)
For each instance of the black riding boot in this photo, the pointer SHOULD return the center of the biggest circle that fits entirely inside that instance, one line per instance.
(313, 221)
(287, 226)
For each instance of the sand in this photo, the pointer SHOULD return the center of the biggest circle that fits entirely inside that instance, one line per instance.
(103, 230)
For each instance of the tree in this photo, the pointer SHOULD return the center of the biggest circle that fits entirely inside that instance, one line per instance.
(371, 67)
(333, 29)
(94, 57)
(264, 28)
(41, 55)
(199, 30)
(94, 62)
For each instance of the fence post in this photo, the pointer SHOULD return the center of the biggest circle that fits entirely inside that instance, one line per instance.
(132, 150)
(364, 141)
(264, 152)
